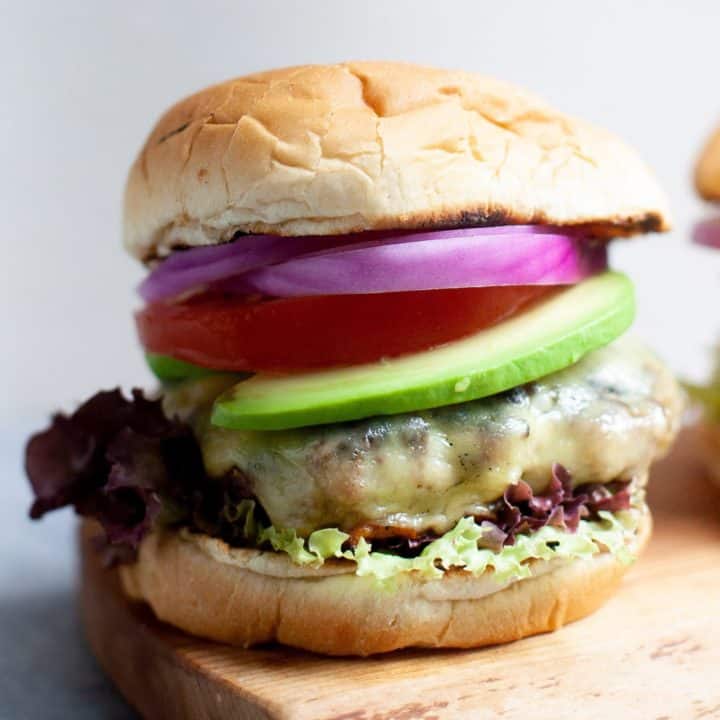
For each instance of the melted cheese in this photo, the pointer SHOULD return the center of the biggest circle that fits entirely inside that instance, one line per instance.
(605, 418)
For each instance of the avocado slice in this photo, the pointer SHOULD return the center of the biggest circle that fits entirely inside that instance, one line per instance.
(169, 369)
(548, 337)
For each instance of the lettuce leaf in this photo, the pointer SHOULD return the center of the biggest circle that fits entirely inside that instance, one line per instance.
(117, 460)
(462, 547)
(708, 395)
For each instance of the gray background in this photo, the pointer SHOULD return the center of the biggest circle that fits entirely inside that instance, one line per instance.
(81, 84)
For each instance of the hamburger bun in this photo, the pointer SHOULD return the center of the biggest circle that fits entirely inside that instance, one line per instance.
(247, 597)
(324, 149)
(707, 170)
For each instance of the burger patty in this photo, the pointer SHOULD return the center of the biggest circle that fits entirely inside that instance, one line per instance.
(604, 419)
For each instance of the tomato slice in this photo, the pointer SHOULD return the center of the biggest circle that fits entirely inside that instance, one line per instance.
(292, 334)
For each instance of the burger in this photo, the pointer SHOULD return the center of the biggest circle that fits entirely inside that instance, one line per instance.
(395, 406)
(707, 233)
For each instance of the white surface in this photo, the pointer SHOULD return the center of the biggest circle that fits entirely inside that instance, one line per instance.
(82, 82)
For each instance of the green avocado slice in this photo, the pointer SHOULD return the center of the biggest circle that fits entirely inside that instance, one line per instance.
(169, 369)
(550, 336)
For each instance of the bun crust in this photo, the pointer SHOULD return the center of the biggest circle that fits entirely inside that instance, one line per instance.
(707, 170)
(247, 597)
(325, 149)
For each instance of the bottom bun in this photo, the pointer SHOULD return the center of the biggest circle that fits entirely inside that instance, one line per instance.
(247, 597)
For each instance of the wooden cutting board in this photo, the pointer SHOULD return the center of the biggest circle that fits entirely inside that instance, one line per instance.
(653, 652)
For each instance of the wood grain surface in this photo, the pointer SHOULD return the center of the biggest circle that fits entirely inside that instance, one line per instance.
(653, 652)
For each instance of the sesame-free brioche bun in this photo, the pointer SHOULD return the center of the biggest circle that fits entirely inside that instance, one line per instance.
(246, 597)
(324, 149)
(707, 170)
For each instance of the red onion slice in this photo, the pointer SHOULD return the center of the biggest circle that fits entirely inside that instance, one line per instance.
(197, 268)
(432, 261)
(380, 262)
(707, 232)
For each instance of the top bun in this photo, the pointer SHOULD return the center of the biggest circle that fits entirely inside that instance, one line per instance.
(324, 149)
(707, 171)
